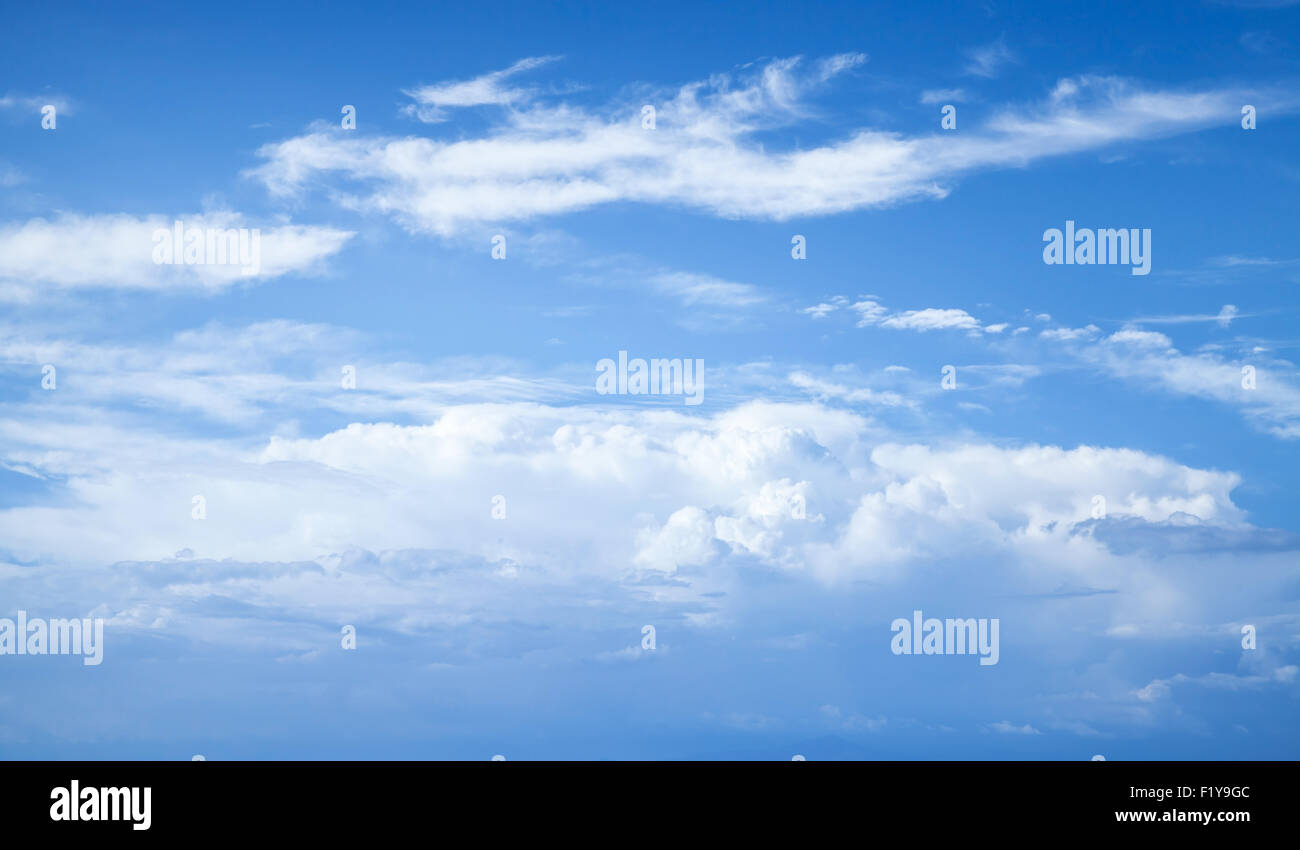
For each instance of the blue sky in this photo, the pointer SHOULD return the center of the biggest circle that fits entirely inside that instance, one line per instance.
(325, 506)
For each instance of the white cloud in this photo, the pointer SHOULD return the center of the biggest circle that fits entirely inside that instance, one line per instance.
(1067, 334)
(1160, 689)
(1006, 727)
(824, 309)
(833, 66)
(852, 722)
(692, 289)
(1232, 261)
(1223, 318)
(823, 389)
(33, 103)
(871, 312)
(541, 160)
(989, 59)
(931, 319)
(686, 539)
(116, 251)
(1150, 357)
(268, 371)
(376, 521)
(645, 489)
(943, 96)
(432, 102)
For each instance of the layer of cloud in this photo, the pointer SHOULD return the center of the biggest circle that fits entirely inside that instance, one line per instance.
(712, 522)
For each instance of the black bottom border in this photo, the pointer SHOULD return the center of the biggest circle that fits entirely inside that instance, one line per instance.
(670, 800)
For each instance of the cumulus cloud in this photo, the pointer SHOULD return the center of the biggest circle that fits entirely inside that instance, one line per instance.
(874, 506)
(752, 517)
(931, 319)
(686, 539)
(871, 312)
(825, 308)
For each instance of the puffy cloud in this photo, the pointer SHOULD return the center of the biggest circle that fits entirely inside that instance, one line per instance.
(643, 489)
(872, 313)
(931, 319)
(758, 519)
(686, 539)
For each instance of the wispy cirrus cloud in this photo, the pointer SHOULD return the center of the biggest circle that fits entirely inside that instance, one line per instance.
(115, 251)
(1006, 727)
(542, 160)
(1223, 318)
(988, 60)
(824, 390)
(1231, 269)
(943, 96)
(433, 102)
(263, 372)
(1262, 387)
(33, 103)
(702, 289)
